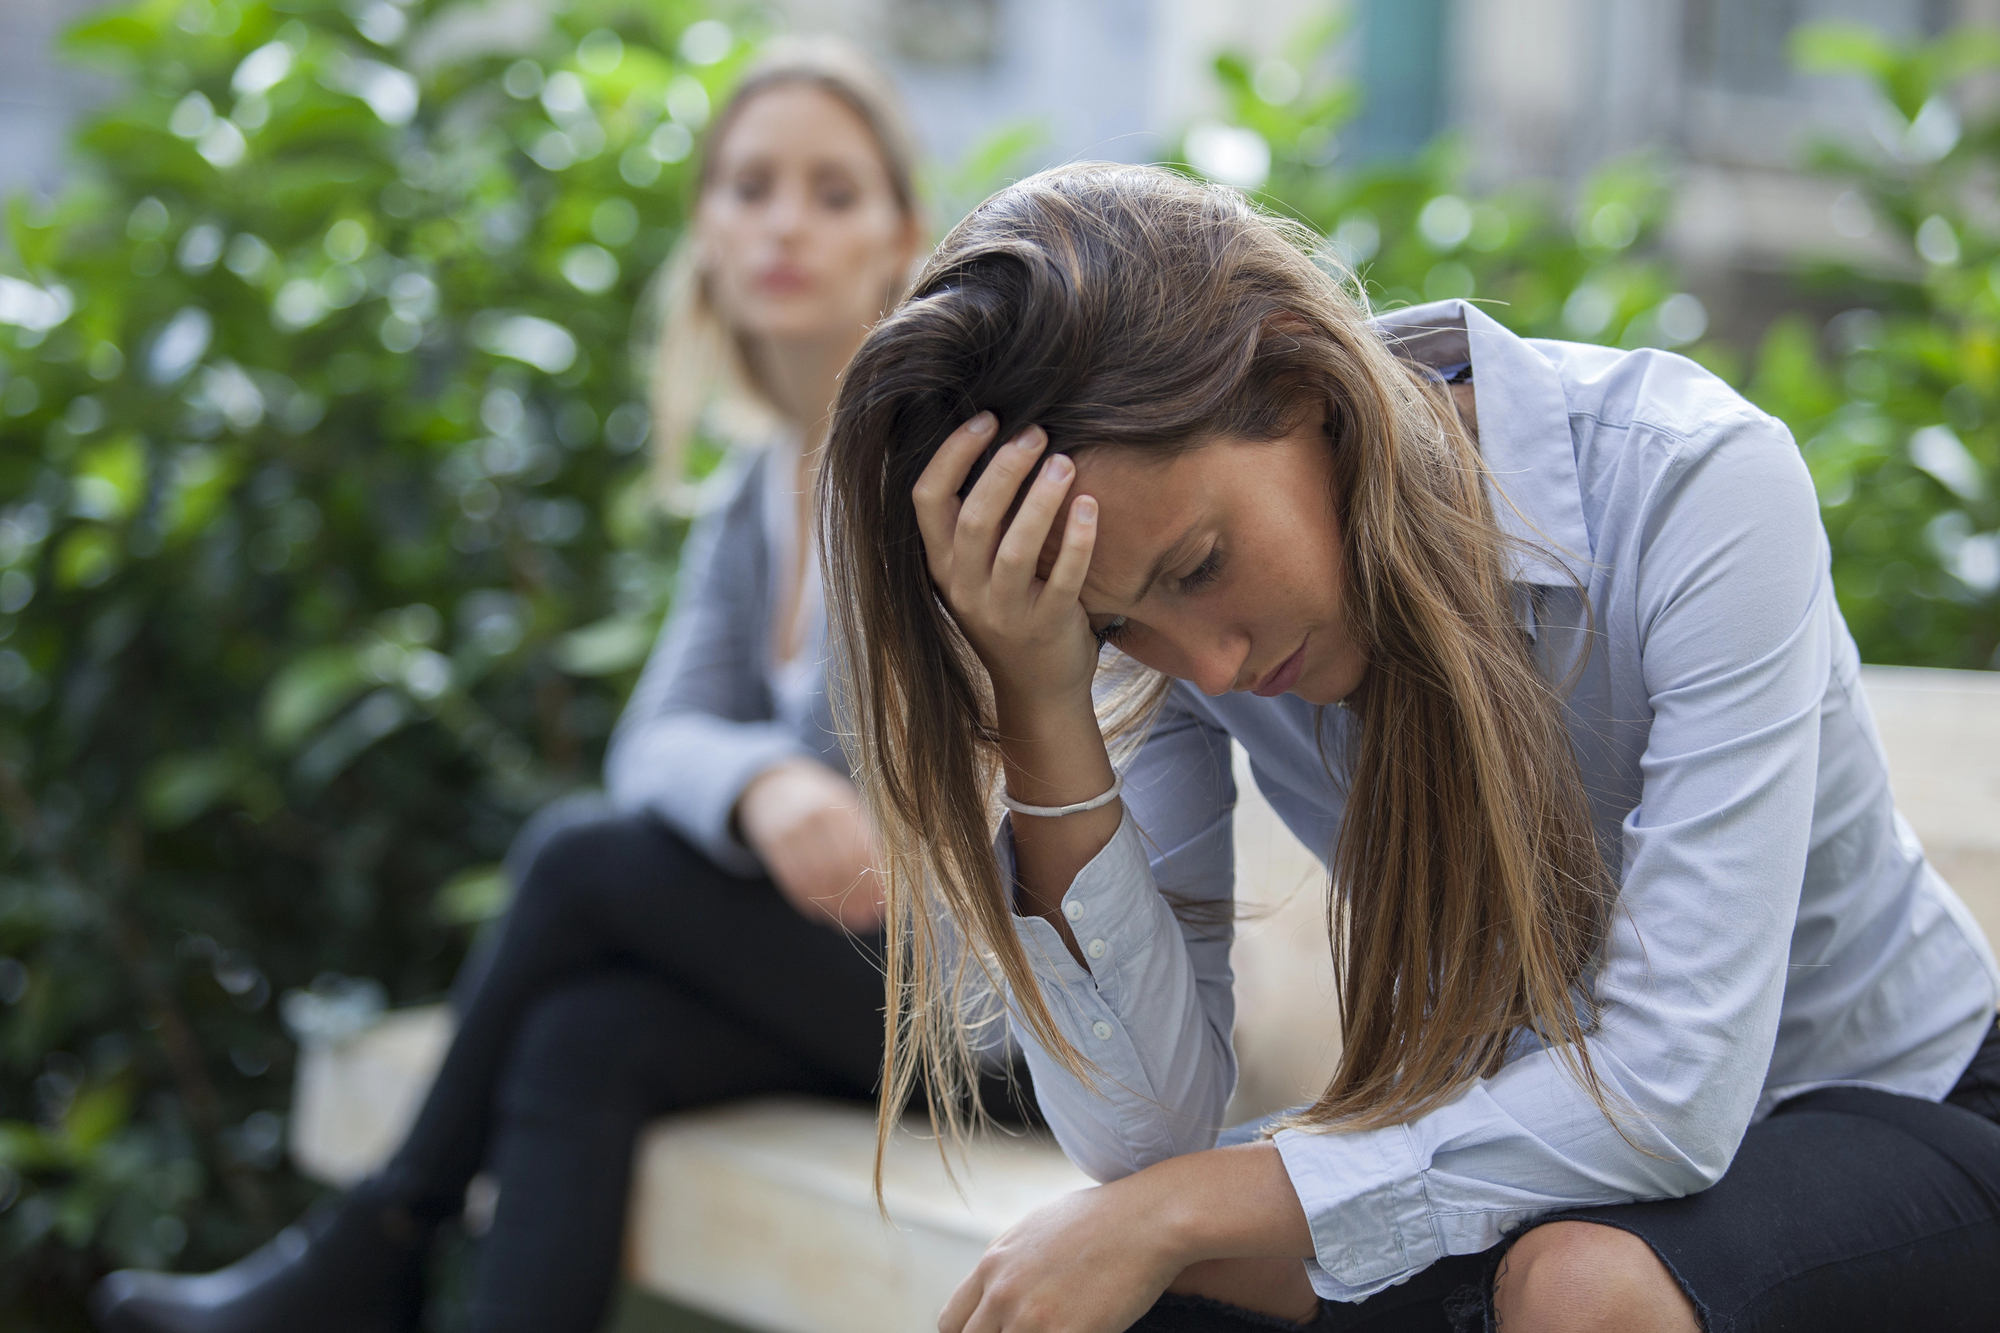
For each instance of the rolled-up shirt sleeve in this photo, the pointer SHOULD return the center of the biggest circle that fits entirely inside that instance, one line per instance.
(699, 724)
(1154, 1007)
(1732, 614)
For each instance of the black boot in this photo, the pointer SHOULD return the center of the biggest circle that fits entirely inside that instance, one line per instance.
(355, 1265)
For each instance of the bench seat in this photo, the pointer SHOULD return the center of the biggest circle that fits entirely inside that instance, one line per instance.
(764, 1214)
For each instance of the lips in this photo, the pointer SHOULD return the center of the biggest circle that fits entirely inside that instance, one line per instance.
(783, 280)
(1283, 676)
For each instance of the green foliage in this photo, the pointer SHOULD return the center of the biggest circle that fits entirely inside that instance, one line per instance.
(1896, 401)
(314, 400)
(1418, 230)
(992, 162)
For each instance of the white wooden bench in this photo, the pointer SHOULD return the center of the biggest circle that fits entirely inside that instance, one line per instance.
(763, 1214)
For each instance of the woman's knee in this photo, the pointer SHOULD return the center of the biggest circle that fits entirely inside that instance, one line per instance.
(565, 850)
(1581, 1277)
(571, 1055)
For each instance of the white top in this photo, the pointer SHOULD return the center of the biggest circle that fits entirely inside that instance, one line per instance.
(1777, 928)
(797, 681)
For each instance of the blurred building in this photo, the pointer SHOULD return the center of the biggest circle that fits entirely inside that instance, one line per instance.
(1538, 88)
(1551, 88)
(1545, 89)
(39, 95)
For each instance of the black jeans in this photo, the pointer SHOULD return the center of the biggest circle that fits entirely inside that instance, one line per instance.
(631, 978)
(1847, 1208)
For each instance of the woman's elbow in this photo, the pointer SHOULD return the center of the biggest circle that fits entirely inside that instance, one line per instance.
(1104, 1158)
(1111, 1152)
(1691, 1177)
(1677, 1164)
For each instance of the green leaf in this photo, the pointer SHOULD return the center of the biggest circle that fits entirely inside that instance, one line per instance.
(34, 240)
(472, 896)
(87, 556)
(27, 1147)
(79, 1211)
(307, 691)
(180, 787)
(114, 474)
(379, 715)
(1791, 381)
(1843, 47)
(95, 1114)
(612, 645)
(1232, 71)
(992, 162)
(202, 479)
(130, 29)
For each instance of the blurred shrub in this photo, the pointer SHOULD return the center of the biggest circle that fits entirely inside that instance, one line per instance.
(323, 558)
(1418, 229)
(1896, 400)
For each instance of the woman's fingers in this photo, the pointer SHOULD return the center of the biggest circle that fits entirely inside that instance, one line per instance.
(1021, 549)
(958, 1310)
(1072, 562)
(936, 491)
(980, 517)
(983, 555)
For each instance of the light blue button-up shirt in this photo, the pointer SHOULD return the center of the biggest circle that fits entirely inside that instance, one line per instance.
(1777, 927)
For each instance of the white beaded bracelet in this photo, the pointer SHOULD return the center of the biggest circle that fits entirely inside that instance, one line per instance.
(1058, 811)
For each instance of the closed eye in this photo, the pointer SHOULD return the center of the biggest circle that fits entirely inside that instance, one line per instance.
(1113, 630)
(1207, 572)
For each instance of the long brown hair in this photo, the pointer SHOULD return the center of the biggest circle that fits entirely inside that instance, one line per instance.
(1130, 307)
(702, 363)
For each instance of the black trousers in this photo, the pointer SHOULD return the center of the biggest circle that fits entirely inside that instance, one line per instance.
(631, 978)
(1847, 1208)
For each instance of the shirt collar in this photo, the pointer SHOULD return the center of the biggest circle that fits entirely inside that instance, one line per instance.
(1524, 433)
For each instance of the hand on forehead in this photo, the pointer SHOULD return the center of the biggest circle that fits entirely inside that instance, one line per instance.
(1143, 504)
(1052, 544)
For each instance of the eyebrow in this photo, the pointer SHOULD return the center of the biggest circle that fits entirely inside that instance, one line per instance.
(1177, 551)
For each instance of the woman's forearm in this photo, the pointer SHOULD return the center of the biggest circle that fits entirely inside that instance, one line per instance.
(1103, 1256)
(1054, 755)
(1226, 1203)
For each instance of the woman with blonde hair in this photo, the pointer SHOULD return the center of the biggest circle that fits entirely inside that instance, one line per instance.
(1653, 1015)
(714, 932)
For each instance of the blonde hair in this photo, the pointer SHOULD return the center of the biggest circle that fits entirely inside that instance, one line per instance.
(1132, 307)
(703, 368)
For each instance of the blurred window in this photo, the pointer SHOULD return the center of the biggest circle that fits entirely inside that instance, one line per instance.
(1741, 46)
(945, 32)
(1402, 75)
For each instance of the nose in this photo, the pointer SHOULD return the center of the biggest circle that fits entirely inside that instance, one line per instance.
(787, 214)
(1215, 661)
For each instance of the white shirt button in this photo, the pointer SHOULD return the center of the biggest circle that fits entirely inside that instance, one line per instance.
(1095, 948)
(1073, 910)
(1102, 1029)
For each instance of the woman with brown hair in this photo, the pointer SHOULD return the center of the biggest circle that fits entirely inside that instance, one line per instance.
(1653, 1014)
(714, 932)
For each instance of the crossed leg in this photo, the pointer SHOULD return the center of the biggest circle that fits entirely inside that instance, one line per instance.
(1582, 1277)
(1564, 1277)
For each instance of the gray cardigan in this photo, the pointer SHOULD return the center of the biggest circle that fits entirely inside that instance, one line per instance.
(711, 709)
